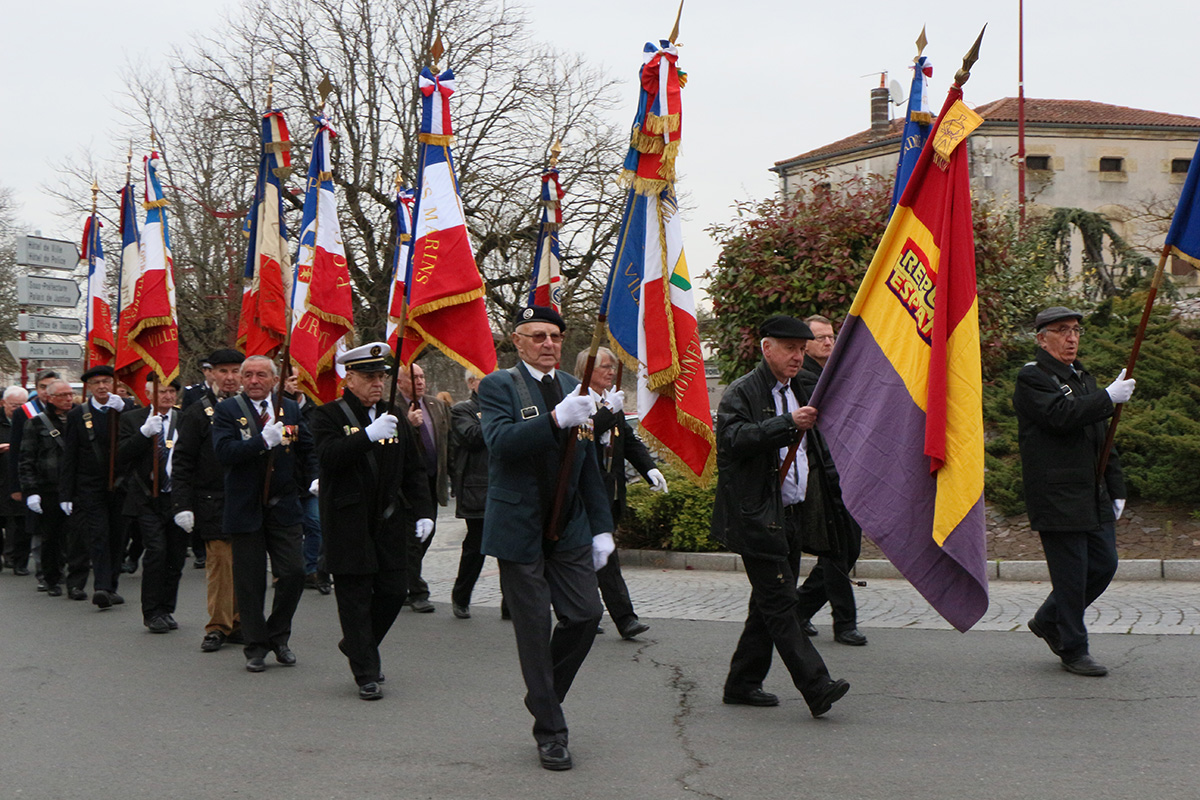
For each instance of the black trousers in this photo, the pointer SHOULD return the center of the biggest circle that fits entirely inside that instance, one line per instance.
(564, 580)
(162, 561)
(51, 526)
(418, 589)
(1081, 564)
(96, 541)
(470, 563)
(23, 530)
(15, 532)
(773, 621)
(616, 593)
(367, 607)
(829, 582)
(264, 634)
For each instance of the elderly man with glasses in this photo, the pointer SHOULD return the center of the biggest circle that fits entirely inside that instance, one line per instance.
(1061, 424)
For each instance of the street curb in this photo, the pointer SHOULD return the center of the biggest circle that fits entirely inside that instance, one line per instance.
(1139, 569)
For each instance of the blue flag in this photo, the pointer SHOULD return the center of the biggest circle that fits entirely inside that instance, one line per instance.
(1184, 236)
(917, 123)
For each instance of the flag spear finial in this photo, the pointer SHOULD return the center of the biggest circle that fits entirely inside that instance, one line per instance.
(675, 30)
(153, 137)
(324, 89)
(271, 84)
(554, 152)
(921, 42)
(436, 51)
(969, 60)
(95, 193)
(129, 162)
(399, 183)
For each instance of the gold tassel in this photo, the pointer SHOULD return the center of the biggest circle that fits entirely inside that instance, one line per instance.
(659, 125)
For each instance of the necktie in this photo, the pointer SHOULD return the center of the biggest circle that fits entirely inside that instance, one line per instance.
(550, 391)
(263, 415)
(783, 401)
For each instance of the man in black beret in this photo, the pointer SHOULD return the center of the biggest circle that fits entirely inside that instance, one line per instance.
(761, 417)
(1061, 425)
(90, 491)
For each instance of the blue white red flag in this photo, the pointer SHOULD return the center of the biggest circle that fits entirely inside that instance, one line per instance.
(901, 397)
(1184, 236)
(917, 122)
(546, 286)
(267, 281)
(99, 329)
(130, 367)
(405, 199)
(322, 304)
(443, 287)
(648, 302)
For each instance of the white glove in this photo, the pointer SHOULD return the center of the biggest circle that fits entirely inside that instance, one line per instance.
(272, 434)
(657, 482)
(314, 487)
(424, 529)
(185, 520)
(384, 427)
(575, 409)
(67, 507)
(1121, 390)
(1118, 507)
(615, 399)
(602, 548)
(152, 426)
(34, 501)
(115, 403)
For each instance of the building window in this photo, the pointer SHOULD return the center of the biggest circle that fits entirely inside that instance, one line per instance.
(1039, 163)
(1112, 165)
(1179, 166)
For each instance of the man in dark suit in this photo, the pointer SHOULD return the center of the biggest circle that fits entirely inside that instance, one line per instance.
(762, 415)
(255, 434)
(148, 500)
(91, 493)
(12, 511)
(615, 443)
(430, 418)
(529, 411)
(829, 579)
(23, 543)
(198, 496)
(193, 393)
(374, 497)
(42, 446)
(1073, 507)
(470, 492)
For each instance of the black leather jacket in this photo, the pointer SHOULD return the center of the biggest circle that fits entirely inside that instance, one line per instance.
(470, 459)
(42, 449)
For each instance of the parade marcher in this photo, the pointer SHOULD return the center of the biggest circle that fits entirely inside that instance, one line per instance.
(374, 496)
(42, 446)
(1060, 423)
(315, 574)
(12, 511)
(761, 415)
(142, 431)
(25, 543)
(196, 391)
(198, 497)
(251, 439)
(470, 492)
(829, 580)
(615, 443)
(431, 420)
(528, 411)
(96, 539)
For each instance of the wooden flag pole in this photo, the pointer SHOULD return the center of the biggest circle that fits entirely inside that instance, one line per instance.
(1133, 355)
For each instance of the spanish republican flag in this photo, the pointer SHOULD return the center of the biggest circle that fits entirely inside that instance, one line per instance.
(322, 306)
(901, 398)
(267, 286)
(100, 345)
(149, 324)
(648, 303)
(445, 292)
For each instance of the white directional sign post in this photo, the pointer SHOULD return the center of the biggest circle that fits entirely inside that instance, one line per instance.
(36, 323)
(34, 251)
(33, 290)
(38, 290)
(42, 351)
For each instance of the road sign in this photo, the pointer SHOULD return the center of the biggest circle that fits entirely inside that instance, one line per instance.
(42, 351)
(33, 290)
(35, 323)
(34, 251)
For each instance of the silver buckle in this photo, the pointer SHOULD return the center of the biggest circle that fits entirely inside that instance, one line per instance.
(529, 412)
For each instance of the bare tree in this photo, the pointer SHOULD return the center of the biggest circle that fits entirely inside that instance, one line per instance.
(8, 276)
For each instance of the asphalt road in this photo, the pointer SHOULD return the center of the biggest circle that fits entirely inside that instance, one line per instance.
(94, 706)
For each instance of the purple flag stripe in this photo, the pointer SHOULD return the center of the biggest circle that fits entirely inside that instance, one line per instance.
(877, 441)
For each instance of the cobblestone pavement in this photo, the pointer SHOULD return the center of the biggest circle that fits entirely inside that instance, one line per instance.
(1152, 607)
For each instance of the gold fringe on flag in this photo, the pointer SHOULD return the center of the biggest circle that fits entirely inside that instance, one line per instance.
(438, 139)
(445, 302)
(149, 204)
(660, 125)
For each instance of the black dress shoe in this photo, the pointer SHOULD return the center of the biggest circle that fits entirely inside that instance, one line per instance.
(75, 593)
(504, 613)
(1085, 665)
(255, 664)
(324, 586)
(311, 581)
(171, 623)
(212, 642)
(757, 697)
(285, 656)
(235, 637)
(157, 625)
(370, 691)
(806, 627)
(20, 571)
(460, 611)
(100, 599)
(422, 607)
(1047, 635)
(829, 694)
(116, 599)
(52, 591)
(851, 637)
(634, 629)
(199, 563)
(554, 756)
(129, 566)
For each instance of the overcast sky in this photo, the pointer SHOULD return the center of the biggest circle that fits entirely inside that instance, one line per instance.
(768, 79)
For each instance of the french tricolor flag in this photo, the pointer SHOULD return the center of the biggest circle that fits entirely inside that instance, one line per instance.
(100, 346)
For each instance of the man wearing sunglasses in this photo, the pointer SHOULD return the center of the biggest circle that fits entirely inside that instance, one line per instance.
(1061, 424)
